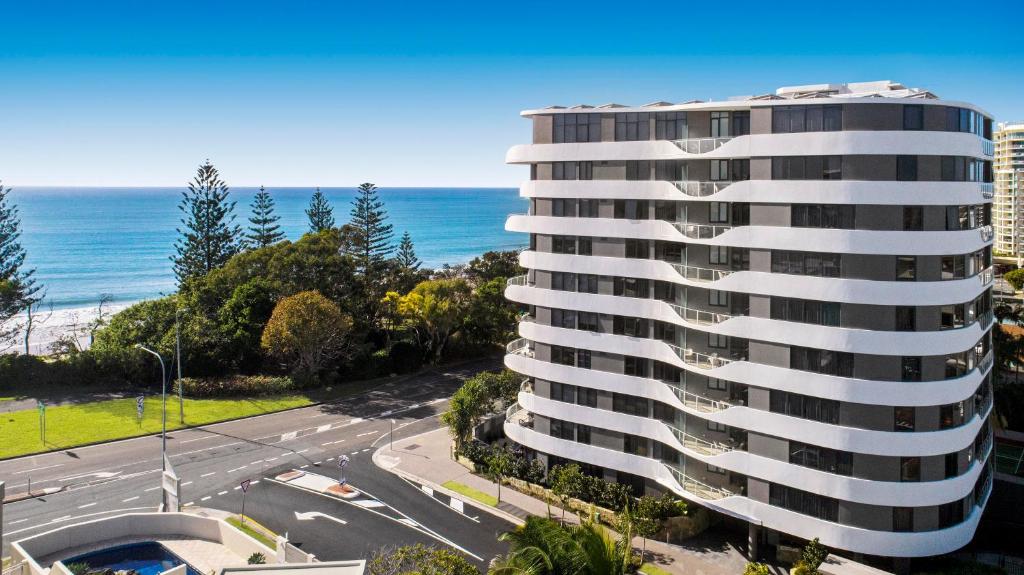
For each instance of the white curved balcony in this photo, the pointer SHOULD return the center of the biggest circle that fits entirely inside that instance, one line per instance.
(875, 342)
(986, 233)
(888, 543)
(519, 346)
(896, 193)
(988, 190)
(701, 189)
(699, 360)
(764, 283)
(697, 402)
(520, 280)
(845, 487)
(698, 146)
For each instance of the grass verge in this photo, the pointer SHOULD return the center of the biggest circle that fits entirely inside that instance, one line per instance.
(81, 424)
(652, 569)
(259, 534)
(468, 491)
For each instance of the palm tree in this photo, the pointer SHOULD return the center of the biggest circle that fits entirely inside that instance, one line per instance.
(544, 547)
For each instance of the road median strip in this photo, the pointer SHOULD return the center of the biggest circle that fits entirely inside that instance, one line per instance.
(475, 494)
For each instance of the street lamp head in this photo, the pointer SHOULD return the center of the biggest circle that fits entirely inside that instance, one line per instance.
(138, 346)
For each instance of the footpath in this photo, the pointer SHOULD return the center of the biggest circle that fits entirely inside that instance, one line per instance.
(425, 459)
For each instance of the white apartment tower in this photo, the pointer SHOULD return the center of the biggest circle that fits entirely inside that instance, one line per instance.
(776, 306)
(1008, 207)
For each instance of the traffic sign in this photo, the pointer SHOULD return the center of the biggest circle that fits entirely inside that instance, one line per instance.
(245, 485)
(140, 404)
(343, 461)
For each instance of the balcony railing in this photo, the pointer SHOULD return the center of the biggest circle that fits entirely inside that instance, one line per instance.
(695, 273)
(526, 386)
(698, 402)
(701, 360)
(700, 189)
(988, 190)
(986, 276)
(702, 446)
(700, 231)
(516, 281)
(986, 489)
(520, 346)
(699, 316)
(700, 145)
(516, 414)
(698, 488)
(987, 147)
(986, 362)
(986, 233)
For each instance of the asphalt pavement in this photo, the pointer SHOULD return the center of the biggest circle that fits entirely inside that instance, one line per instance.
(212, 461)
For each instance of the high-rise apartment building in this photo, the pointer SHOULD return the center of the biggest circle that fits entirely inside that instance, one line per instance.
(1008, 207)
(777, 307)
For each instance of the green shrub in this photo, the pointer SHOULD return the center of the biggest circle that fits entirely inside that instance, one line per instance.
(1015, 278)
(238, 385)
(406, 357)
(257, 559)
(756, 569)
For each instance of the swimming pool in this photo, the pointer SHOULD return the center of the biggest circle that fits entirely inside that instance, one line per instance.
(147, 558)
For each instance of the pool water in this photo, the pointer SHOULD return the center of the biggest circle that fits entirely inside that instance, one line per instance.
(149, 558)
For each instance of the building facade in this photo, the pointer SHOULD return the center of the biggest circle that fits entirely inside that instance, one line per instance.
(1008, 207)
(777, 307)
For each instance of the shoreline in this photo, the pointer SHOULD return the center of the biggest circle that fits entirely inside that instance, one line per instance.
(49, 326)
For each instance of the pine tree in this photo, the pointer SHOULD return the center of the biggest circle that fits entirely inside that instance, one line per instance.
(18, 289)
(372, 238)
(406, 256)
(320, 213)
(264, 230)
(209, 236)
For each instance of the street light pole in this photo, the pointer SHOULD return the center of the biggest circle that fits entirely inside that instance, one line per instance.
(177, 352)
(163, 383)
(392, 435)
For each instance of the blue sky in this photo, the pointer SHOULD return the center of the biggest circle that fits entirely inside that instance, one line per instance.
(428, 94)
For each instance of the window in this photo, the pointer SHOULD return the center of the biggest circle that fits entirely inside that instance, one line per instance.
(588, 208)
(630, 287)
(902, 519)
(804, 502)
(570, 128)
(632, 126)
(720, 124)
(806, 263)
(951, 514)
(804, 406)
(563, 281)
(718, 298)
(739, 170)
(906, 318)
(952, 465)
(718, 212)
(805, 311)
(788, 119)
(718, 255)
(563, 392)
(903, 418)
(669, 170)
(587, 283)
(638, 249)
(720, 170)
(740, 123)
(586, 396)
(583, 434)
(664, 210)
(563, 355)
(631, 326)
(718, 384)
(572, 171)
(913, 218)
(587, 321)
(630, 404)
(635, 445)
(910, 369)
(718, 341)
(716, 469)
(913, 117)
(635, 366)
(906, 168)
(631, 209)
(638, 170)
(563, 318)
(822, 458)
(951, 415)
(807, 168)
(910, 469)
(822, 216)
(562, 429)
(585, 246)
(822, 361)
(583, 358)
(716, 426)
(563, 208)
(906, 268)
(670, 126)
(563, 244)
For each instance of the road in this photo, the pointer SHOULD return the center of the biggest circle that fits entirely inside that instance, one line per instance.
(213, 460)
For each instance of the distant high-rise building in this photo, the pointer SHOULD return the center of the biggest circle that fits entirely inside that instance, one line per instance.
(776, 306)
(1008, 207)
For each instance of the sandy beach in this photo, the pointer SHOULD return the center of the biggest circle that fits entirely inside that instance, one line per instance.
(49, 326)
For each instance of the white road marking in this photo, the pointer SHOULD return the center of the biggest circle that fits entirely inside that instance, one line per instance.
(304, 466)
(317, 462)
(183, 442)
(369, 433)
(189, 504)
(59, 519)
(186, 483)
(237, 468)
(208, 474)
(205, 498)
(258, 461)
(222, 493)
(323, 428)
(354, 453)
(66, 517)
(302, 450)
(237, 488)
(255, 482)
(87, 505)
(18, 521)
(329, 458)
(151, 489)
(332, 443)
(365, 450)
(289, 435)
(368, 503)
(271, 459)
(427, 490)
(355, 421)
(310, 515)
(206, 449)
(129, 499)
(36, 469)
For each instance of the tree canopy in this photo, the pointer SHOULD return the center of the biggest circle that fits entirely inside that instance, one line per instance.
(18, 288)
(320, 213)
(208, 236)
(263, 229)
(307, 330)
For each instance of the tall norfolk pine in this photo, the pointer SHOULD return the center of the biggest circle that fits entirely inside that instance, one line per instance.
(18, 289)
(370, 247)
(264, 229)
(209, 236)
(320, 213)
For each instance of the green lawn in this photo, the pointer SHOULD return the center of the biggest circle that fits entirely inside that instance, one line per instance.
(257, 534)
(652, 569)
(468, 491)
(74, 425)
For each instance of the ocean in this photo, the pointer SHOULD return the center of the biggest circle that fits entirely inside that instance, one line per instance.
(84, 242)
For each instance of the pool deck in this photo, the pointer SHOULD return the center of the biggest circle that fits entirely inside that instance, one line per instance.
(203, 556)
